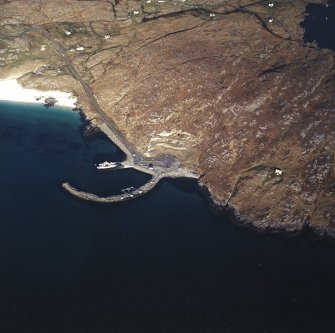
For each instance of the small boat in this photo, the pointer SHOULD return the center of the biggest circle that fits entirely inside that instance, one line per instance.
(109, 165)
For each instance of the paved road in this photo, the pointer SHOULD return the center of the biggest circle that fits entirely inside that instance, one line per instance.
(168, 161)
(86, 87)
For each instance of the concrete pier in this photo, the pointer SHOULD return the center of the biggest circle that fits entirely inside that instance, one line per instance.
(180, 173)
(116, 140)
(162, 167)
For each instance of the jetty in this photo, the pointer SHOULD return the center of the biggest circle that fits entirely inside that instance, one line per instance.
(134, 192)
(165, 166)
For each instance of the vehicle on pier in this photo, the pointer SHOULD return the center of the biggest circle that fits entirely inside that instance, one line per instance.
(131, 191)
(109, 165)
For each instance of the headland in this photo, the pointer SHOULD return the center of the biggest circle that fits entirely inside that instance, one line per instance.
(228, 90)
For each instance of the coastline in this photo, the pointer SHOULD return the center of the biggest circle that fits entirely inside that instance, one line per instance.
(309, 231)
(12, 91)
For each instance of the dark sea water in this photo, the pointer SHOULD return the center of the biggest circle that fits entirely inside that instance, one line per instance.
(159, 264)
(319, 25)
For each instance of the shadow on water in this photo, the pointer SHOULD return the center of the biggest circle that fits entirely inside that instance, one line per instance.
(319, 25)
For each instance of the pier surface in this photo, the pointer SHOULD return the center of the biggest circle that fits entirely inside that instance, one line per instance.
(160, 167)
(157, 176)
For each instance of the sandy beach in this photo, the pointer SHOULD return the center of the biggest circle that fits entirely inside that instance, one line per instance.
(11, 90)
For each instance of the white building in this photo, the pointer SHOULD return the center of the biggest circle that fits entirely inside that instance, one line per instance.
(278, 172)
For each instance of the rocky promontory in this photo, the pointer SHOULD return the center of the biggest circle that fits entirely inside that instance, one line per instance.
(228, 87)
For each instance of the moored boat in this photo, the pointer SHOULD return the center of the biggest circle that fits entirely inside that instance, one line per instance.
(109, 165)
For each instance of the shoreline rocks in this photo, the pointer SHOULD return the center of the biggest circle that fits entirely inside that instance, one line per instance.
(50, 102)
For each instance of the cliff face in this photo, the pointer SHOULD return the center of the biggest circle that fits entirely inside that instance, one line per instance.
(236, 98)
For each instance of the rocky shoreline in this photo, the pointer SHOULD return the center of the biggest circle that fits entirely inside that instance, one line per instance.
(230, 213)
(214, 204)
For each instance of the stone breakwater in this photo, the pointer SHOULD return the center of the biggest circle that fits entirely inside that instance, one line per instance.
(140, 191)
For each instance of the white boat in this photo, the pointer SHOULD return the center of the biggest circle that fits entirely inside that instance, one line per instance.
(109, 165)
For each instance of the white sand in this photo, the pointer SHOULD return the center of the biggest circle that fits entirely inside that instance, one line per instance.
(10, 90)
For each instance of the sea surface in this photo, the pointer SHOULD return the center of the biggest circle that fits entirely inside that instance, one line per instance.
(160, 264)
(319, 24)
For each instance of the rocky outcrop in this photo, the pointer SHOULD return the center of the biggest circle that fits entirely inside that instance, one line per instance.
(235, 97)
(49, 102)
